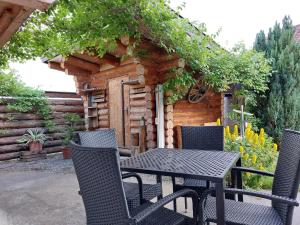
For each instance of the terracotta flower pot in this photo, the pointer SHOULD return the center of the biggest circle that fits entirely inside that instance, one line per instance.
(66, 152)
(35, 146)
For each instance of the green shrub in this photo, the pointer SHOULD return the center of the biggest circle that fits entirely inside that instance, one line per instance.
(72, 119)
(257, 151)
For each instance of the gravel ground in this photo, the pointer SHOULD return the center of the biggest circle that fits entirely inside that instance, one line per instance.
(53, 164)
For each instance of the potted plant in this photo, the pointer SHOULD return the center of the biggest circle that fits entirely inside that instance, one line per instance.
(34, 139)
(71, 120)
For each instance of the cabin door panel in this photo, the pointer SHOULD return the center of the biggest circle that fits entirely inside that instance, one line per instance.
(119, 101)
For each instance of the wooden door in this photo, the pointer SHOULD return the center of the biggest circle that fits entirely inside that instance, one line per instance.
(119, 101)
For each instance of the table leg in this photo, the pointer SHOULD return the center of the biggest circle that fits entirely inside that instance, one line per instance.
(220, 203)
(159, 181)
(174, 201)
(233, 184)
(239, 180)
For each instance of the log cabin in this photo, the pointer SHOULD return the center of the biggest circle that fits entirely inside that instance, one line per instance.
(126, 93)
(13, 13)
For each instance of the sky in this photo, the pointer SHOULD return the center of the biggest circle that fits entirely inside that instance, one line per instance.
(238, 20)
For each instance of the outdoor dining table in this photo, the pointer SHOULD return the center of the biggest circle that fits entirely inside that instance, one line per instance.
(197, 164)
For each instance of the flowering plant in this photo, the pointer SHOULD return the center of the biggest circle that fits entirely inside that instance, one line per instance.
(257, 150)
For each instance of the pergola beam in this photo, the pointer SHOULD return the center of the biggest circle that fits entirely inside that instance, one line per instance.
(33, 4)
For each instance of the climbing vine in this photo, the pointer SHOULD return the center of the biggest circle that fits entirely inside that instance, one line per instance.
(94, 26)
(25, 99)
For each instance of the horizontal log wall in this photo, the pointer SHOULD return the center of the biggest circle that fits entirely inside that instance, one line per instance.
(14, 124)
(208, 110)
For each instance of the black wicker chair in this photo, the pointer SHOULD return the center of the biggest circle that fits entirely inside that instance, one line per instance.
(106, 138)
(102, 190)
(203, 138)
(283, 196)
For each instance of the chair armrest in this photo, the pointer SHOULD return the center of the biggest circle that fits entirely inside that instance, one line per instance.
(250, 170)
(276, 198)
(125, 152)
(140, 183)
(156, 206)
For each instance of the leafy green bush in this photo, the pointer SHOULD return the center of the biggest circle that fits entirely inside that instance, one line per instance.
(72, 119)
(257, 151)
(25, 98)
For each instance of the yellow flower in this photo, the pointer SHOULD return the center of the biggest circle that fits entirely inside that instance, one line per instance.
(246, 157)
(262, 133)
(242, 150)
(255, 139)
(261, 168)
(233, 137)
(227, 128)
(218, 122)
(262, 140)
(225, 134)
(249, 126)
(250, 136)
(247, 131)
(236, 130)
(254, 159)
(248, 174)
(275, 147)
(247, 134)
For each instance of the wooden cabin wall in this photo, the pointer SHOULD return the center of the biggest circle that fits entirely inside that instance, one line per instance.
(152, 69)
(141, 97)
(208, 110)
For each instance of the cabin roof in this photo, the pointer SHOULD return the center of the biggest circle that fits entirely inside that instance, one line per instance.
(13, 13)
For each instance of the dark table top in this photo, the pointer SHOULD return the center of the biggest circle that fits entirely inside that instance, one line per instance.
(198, 164)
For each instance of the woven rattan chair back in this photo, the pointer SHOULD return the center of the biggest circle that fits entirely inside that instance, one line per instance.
(287, 174)
(99, 179)
(203, 137)
(104, 138)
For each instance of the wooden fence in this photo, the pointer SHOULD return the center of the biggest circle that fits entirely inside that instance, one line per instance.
(14, 124)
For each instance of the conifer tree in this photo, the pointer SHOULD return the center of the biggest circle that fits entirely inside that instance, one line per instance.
(280, 108)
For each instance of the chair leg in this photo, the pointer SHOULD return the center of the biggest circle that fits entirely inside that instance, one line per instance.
(174, 202)
(159, 181)
(175, 205)
(185, 204)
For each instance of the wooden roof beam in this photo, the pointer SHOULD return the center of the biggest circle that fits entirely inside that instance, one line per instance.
(68, 69)
(120, 50)
(14, 25)
(110, 59)
(55, 66)
(5, 20)
(76, 71)
(83, 64)
(87, 57)
(33, 4)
